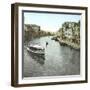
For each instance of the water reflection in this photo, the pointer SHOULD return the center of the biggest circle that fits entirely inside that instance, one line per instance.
(38, 58)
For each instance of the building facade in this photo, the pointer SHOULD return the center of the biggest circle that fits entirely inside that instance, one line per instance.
(71, 31)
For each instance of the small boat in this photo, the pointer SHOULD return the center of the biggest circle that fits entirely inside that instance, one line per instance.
(36, 49)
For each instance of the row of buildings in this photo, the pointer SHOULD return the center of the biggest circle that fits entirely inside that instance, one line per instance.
(31, 31)
(70, 31)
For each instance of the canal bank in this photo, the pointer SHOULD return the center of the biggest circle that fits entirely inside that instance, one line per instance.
(65, 42)
(71, 44)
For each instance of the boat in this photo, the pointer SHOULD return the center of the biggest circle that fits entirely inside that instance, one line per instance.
(36, 49)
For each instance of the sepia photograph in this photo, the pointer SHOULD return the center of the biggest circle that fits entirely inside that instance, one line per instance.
(51, 44)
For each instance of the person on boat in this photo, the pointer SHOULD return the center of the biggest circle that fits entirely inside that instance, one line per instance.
(46, 44)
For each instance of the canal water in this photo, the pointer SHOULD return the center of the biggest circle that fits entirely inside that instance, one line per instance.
(58, 60)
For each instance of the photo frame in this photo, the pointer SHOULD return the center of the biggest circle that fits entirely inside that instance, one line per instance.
(48, 44)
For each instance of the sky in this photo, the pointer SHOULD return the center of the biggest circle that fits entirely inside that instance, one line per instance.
(47, 21)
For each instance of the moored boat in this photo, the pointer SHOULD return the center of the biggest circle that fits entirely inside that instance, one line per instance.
(36, 49)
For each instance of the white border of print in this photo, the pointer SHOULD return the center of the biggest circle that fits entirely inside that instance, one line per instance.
(33, 80)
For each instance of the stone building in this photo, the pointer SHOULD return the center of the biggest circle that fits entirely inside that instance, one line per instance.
(71, 31)
(31, 31)
(35, 27)
(29, 27)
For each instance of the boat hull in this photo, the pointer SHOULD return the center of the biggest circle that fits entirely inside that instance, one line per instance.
(36, 52)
